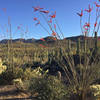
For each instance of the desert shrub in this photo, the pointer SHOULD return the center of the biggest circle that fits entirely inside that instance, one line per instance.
(22, 83)
(8, 76)
(96, 91)
(79, 77)
(2, 67)
(27, 74)
(18, 84)
(48, 88)
(41, 86)
(78, 96)
(30, 73)
(85, 76)
(18, 72)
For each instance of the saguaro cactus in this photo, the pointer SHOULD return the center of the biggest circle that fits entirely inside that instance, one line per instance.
(78, 47)
(69, 45)
(85, 44)
(96, 41)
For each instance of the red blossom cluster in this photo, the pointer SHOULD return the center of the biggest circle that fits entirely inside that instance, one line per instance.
(86, 25)
(4, 10)
(97, 5)
(89, 9)
(80, 14)
(35, 19)
(37, 8)
(53, 15)
(45, 12)
(54, 33)
(95, 24)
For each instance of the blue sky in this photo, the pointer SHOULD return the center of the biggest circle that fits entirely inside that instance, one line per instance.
(21, 12)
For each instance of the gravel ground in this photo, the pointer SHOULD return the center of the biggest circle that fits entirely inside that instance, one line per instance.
(10, 92)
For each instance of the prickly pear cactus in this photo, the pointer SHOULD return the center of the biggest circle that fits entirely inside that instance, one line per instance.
(96, 89)
(2, 67)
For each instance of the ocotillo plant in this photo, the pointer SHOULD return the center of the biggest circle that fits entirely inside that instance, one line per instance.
(86, 27)
(79, 80)
(49, 18)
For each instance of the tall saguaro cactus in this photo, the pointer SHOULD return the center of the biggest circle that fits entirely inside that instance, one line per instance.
(85, 44)
(78, 46)
(96, 41)
(69, 45)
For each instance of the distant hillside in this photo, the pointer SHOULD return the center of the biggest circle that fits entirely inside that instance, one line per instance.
(75, 38)
(48, 40)
(4, 41)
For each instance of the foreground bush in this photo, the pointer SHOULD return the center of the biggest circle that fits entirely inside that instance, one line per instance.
(48, 88)
(19, 84)
(96, 89)
(41, 86)
(2, 67)
(7, 76)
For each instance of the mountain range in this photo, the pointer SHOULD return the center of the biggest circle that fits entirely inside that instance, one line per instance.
(48, 39)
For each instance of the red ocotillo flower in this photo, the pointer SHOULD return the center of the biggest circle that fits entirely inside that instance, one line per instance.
(42, 39)
(86, 25)
(80, 14)
(4, 9)
(37, 8)
(95, 24)
(86, 29)
(54, 33)
(54, 38)
(97, 5)
(44, 11)
(54, 15)
(89, 9)
(35, 19)
(37, 23)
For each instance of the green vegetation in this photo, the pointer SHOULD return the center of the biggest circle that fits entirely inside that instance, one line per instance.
(52, 73)
(53, 68)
